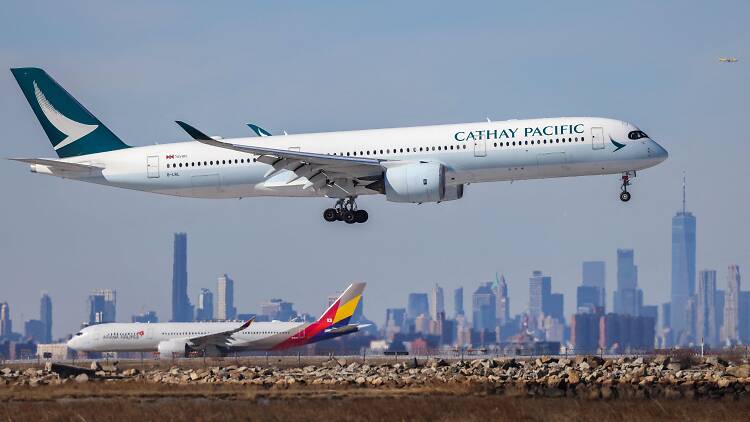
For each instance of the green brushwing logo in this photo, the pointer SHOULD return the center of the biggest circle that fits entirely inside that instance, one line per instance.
(618, 146)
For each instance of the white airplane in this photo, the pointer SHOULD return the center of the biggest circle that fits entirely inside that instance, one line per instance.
(179, 339)
(412, 164)
(728, 59)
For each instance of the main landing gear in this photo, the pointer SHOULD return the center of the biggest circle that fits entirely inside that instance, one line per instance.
(626, 176)
(345, 210)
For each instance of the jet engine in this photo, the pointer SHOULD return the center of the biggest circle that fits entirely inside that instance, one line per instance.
(173, 348)
(419, 182)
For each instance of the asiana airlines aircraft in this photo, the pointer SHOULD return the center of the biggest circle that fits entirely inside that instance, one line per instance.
(408, 165)
(180, 339)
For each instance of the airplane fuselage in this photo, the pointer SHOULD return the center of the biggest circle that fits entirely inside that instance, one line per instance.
(471, 153)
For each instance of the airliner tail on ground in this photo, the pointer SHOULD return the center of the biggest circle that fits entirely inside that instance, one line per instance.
(408, 165)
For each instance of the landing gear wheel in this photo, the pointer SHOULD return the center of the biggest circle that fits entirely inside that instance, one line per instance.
(360, 216)
(350, 217)
(330, 215)
(625, 196)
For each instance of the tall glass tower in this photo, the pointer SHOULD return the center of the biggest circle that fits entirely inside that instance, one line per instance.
(683, 265)
(182, 310)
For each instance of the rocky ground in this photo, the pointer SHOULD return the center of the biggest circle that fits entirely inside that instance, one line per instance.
(588, 377)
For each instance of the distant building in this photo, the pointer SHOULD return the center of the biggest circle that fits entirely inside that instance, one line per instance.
(744, 317)
(621, 333)
(584, 332)
(418, 304)
(731, 326)
(145, 317)
(628, 298)
(102, 306)
(278, 309)
(34, 330)
(422, 324)
(484, 308)
(6, 324)
(458, 301)
(225, 309)
(54, 351)
(540, 288)
(651, 311)
(587, 298)
(502, 300)
(205, 309)
(554, 307)
(593, 277)
(683, 266)
(437, 302)
(706, 323)
(395, 319)
(182, 310)
(45, 315)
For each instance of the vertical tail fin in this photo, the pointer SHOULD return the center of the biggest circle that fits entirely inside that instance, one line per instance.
(341, 311)
(71, 129)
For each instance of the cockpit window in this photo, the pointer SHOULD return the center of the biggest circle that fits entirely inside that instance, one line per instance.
(637, 134)
(80, 333)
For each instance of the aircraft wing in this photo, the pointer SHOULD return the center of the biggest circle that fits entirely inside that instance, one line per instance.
(58, 165)
(317, 168)
(222, 338)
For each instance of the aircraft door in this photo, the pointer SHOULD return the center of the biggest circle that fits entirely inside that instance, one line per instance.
(480, 148)
(597, 138)
(152, 166)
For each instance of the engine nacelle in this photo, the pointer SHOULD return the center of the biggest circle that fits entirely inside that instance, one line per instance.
(173, 348)
(453, 192)
(417, 182)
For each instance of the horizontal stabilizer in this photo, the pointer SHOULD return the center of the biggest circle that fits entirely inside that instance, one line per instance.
(58, 165)
(258, 130)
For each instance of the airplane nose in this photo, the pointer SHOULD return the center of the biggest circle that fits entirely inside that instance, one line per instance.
(659, 152)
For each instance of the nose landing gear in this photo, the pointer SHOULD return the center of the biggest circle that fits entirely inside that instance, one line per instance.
(626, 176)
(346, 210)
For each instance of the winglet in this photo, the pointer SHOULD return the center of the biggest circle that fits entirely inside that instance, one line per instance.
(247, 323)
(259, 130)
(193, 132)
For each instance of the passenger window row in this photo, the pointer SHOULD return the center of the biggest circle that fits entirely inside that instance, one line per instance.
(540, 141)
(389, 151)
(209, 163)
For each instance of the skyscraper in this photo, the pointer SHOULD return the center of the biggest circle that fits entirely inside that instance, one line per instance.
(540, 288)
(593, 275)
(225, 298)
(45, 315)
(102, 306)
(6, 324)
(483, 307)
(417, 305)
(205, 310)
(503, 302)
(182, 310)
(458, 301)
(731, 329)
(706, 324)
(145, 317)
(437, 302)
(628, 297)
(683, 264)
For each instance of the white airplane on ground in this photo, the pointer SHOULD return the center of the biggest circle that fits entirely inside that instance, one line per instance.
(173, 339)
(412, 164)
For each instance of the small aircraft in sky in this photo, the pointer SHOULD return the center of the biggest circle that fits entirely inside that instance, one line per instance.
(728, 59)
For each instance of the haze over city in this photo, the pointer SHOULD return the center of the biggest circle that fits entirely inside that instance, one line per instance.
(333, 67)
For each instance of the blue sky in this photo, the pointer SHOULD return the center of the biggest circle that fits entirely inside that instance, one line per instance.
(305, 67)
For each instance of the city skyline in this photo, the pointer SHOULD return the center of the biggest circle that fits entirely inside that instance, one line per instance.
(660, 78)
